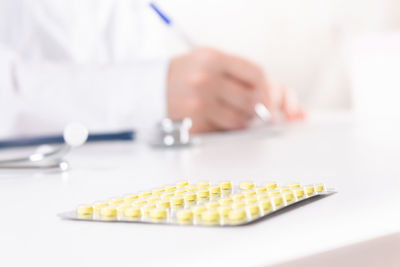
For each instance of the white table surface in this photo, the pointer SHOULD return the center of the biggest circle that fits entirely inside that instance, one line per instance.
(360, 160)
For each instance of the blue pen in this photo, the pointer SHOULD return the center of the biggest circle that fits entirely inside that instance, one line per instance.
(261, 110)
(128, 135)
(173, 26)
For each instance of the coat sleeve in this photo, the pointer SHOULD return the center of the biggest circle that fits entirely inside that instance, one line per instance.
(42, 97)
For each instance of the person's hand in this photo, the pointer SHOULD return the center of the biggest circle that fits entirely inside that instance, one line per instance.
(219, 91)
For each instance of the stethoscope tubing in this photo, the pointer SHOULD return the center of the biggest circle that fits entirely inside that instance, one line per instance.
(128, 135)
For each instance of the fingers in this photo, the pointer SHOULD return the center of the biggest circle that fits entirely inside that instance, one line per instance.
(272, 96)
(239, 97)
(224, 117)
(220, 91)
(253, 77)
(243, 70)
(290, 106)
(275, 97)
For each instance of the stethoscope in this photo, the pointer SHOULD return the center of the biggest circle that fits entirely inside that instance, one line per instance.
(169, 134)
(48, 158)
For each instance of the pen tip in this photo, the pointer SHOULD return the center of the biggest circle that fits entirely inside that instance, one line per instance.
(262, 112)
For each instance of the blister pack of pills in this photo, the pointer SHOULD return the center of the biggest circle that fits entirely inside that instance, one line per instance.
(203, 203)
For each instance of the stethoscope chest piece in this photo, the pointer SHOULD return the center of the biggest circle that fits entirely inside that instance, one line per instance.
(173, 133)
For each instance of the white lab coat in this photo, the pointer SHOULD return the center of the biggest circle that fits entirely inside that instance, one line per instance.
(99, 62)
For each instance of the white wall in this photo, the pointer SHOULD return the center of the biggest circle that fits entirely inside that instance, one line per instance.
(303, 43)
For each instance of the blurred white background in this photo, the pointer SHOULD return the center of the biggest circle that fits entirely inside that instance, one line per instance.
(313, 46)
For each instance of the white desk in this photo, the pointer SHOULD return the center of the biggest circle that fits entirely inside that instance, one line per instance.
(331, 148)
